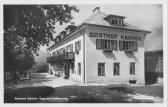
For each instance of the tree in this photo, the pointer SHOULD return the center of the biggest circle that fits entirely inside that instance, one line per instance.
(35, 23)
(27, 27)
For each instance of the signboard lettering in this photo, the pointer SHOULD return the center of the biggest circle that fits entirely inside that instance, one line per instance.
(113, 36)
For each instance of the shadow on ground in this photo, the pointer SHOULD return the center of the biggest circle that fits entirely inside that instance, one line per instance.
(81, 94)
(27, 94)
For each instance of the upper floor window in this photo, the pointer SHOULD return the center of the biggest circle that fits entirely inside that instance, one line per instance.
(106, 44)
(128, 45)
(116, 22)
(78, 46)
(69, 48)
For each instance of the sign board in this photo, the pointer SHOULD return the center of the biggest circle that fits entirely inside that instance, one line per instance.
(113, 36)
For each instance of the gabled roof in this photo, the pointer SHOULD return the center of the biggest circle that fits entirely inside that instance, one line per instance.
(98, 19)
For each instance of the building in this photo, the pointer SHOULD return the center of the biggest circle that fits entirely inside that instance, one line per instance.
(104, 48)
(154, 56)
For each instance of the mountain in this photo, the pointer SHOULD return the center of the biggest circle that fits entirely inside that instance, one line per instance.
(41, 58)
(154, 40)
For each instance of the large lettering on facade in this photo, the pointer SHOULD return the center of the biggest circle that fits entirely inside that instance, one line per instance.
(113, 36)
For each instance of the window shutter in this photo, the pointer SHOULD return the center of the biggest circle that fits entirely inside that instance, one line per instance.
(121, 45)
(98, 43)
(76, 46)
(79, 45)
(114, 45)
(135, 46)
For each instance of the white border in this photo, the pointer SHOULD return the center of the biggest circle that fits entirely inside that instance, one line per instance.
(164, 2)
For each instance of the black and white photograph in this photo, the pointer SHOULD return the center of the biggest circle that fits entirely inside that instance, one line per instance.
(83, 53)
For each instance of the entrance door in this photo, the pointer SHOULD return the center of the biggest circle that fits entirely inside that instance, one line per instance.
(66, 70)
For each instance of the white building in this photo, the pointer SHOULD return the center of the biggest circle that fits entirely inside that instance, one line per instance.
(104, 48)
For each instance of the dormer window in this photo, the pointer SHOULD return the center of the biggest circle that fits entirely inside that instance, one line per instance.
(63, 34)
(115, 20)
(70, 28)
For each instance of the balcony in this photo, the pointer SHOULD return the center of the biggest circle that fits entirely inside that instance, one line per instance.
(68, 56)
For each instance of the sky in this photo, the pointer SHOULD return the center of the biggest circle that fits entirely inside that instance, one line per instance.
(145, 17)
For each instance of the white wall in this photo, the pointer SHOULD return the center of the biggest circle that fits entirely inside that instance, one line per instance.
(93, 56)
(78, 57)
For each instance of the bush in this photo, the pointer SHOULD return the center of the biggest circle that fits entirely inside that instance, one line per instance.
(151, 77)
(43, 68)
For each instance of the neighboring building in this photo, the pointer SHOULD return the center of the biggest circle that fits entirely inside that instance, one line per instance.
(154, 54)
(104, 48)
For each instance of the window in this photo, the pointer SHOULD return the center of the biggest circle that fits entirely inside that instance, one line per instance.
(132, 68)
(79, 68)
(69, 48)
(115, 22)
(101, 69)
(106, 44)
(128, 45)
(78, 46)
(116, 69)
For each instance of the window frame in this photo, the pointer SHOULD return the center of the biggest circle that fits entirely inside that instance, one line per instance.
(116, 73)
(101, 65)
(128, 46)
(78, 46)
(104, 44)
(132, 64)
(79, 68)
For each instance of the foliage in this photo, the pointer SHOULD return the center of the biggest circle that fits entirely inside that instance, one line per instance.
(43, 68)
(34, 24)
(26, 28)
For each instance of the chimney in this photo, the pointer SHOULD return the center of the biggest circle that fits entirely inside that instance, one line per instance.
(96, 10)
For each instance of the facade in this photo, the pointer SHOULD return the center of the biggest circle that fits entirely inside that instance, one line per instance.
(104, 48)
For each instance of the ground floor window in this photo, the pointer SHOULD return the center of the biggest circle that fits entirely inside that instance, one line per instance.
(101, 69)
(116, 68)
(79, 68)
(132, 68)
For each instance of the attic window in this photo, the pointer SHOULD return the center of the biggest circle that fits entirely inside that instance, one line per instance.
(116, 22)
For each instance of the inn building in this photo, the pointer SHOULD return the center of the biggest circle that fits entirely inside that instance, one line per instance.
(103, 49)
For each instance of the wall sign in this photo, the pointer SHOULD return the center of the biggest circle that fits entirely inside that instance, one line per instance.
(113, 36)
